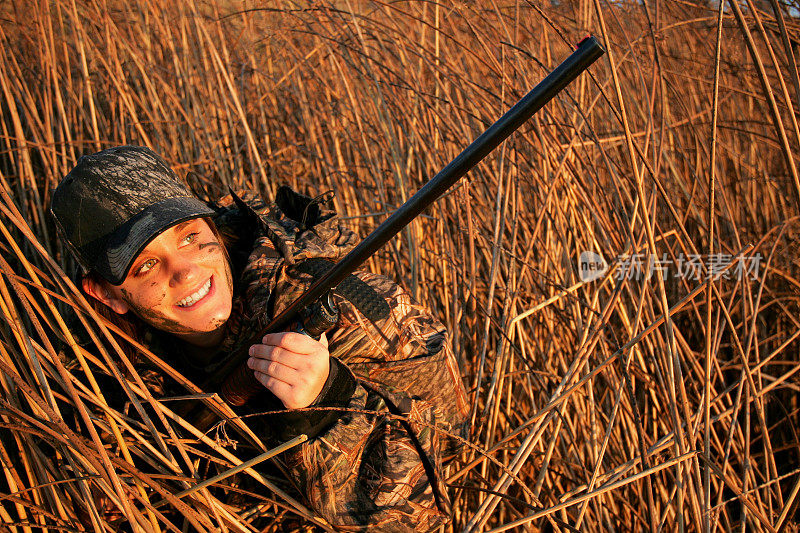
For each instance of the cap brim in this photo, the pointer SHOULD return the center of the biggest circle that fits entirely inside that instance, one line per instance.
(128, 241)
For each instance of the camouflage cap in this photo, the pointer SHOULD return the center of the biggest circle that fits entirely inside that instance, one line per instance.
(114, 202)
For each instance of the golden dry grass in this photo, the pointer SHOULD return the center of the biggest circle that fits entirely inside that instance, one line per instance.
(616, 404)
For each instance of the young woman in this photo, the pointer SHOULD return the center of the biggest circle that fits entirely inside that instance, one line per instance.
(195, 281)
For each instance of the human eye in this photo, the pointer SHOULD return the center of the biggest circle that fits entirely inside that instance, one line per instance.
(190, 238)
(145, 267)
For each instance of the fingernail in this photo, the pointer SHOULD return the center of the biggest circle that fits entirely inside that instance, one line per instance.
(250, 362)
(250, 351)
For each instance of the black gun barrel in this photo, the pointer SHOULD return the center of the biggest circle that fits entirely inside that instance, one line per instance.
(586, 53)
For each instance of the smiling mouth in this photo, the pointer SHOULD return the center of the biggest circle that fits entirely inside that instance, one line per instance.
(195, 297)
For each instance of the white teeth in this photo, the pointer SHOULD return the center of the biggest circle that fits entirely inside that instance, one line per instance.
(202, 291)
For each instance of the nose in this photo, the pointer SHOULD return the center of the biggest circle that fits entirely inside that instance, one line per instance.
(182, 270)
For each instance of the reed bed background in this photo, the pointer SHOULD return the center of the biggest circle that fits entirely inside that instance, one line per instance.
(629, 402)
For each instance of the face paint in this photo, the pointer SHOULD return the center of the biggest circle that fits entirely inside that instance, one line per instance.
(159, 321)
(210, 244)
(181, 283)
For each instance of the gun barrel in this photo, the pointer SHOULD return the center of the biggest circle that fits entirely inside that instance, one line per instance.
(586, 53)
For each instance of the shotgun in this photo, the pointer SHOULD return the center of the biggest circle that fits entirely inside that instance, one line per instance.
(240, 383)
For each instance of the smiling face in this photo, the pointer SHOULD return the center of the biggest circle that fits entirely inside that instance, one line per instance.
(181, 284)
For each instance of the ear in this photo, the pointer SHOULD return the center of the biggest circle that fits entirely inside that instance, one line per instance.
(100, 291)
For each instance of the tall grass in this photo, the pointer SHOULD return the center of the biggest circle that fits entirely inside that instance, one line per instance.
(622, 403)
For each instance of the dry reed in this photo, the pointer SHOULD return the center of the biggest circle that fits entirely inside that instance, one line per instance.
(623, 403)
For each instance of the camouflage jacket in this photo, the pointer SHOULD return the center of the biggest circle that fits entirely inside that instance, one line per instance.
(377, 463)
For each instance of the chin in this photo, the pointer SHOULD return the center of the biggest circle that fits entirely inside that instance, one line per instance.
(219, 320)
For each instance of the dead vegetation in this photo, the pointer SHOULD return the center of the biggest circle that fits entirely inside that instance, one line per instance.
(629, 402)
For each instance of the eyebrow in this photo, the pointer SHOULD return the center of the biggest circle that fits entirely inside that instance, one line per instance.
(179, 226)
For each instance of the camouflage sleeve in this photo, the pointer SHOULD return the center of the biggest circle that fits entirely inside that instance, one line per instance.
(379, 465)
